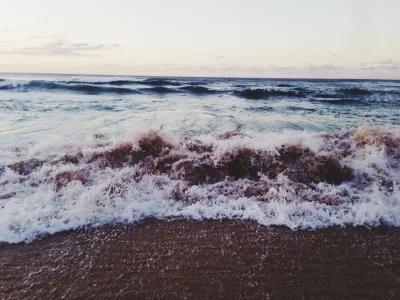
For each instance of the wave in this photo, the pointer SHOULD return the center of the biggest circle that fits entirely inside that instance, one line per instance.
(328, 96)
(148, 81)
(256, 94)
(348, 178)
(6, 87)
(198, 89)
(80, 88)
(159, 90)
(111, 82)
(199, 82)
(284, 85)
(355, 92)
(159, 82)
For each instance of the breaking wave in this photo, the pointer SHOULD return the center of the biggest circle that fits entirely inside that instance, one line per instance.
(198, 89)
(80, 88)
(346, 178)
(111, 82)
(256, 94)
(147, 81)
(257, 90)
(159, 90)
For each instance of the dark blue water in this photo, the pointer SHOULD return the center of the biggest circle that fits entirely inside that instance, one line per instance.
(74, 104)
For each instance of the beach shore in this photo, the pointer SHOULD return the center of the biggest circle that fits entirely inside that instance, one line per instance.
(185, 259)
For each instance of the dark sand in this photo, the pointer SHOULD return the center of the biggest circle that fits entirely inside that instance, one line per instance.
(204, 260)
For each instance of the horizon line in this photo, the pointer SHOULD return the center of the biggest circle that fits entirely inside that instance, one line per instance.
(186, 76)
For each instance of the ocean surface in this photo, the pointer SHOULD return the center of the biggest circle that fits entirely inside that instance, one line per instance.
(80, 151)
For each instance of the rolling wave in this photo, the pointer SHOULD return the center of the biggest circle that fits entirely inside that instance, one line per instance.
(111, 82)
(148, 81)
(256, 94)
(79, 88)
(159, 90)
(347, 178)
(198, 89)
(160, 82)
(160, 86)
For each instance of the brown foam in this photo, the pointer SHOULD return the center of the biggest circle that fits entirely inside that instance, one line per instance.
(62, 179)
(198, 163)
(26, 167)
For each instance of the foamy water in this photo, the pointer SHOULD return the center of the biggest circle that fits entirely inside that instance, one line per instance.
(347, 179)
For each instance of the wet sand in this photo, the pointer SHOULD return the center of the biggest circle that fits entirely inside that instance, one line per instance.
(204, 260)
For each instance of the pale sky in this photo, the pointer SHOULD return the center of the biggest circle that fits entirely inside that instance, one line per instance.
(252, 38)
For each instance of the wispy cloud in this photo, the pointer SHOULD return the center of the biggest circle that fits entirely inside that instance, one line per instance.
(386, 62)
(364, 70)
(326, 68)
(46, 37)
(240, 70)
(4, 29)
(58, 46)
(383, 65)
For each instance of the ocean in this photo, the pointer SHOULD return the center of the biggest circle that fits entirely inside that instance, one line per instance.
(84, 151)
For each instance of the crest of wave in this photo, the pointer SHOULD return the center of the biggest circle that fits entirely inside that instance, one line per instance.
(347, 178)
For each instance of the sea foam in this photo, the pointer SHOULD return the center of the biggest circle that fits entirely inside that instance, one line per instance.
(299, 180)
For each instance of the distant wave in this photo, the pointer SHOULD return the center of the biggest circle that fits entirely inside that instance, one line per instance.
(284, 85)
(159, 90)
(355, 92)
(6, 87)
(256, 94)
(80, 88)
(112, 82)
(148, 81)
(198, 89)
(254, 91)
(104, 87)
(327, 96)
(202, 82)
(340, 101)
(159, 82)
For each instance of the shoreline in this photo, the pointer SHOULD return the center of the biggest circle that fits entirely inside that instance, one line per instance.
(186, 259)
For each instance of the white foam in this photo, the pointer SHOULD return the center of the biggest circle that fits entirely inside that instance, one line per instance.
(36, 208)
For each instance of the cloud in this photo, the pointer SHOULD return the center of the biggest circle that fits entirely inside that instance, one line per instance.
(224, 69)
(383, 65)
(8, 42)
(46, 37)
(60, 47)
(386, 62)
(220, 57)
(326, 68)
(4, 29)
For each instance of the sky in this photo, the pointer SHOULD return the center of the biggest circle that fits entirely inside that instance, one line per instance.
(229, 38)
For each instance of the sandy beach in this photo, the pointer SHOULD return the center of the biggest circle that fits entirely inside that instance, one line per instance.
(184, 259)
